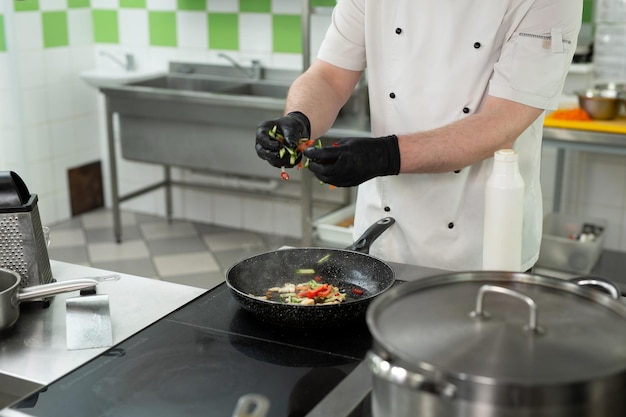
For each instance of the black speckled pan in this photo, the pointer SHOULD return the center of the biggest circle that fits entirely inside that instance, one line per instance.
(347, 269)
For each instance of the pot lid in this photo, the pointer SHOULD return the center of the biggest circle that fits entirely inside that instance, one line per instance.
(498, 326)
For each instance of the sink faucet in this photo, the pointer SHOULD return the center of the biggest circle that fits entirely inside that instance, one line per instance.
(253, 72)
(128, 64)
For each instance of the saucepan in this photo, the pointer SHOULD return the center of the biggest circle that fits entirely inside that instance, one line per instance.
(353, 270)
(499, 344)
(11, 295)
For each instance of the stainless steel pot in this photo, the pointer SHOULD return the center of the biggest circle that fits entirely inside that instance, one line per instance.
(11, 295)
(498, 344)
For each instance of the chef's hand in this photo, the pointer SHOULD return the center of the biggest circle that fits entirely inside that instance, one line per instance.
(352, 161)
(292, 127)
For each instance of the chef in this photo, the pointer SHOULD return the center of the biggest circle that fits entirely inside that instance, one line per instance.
(450, 82)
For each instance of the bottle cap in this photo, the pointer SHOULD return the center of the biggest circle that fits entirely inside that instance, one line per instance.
(506, 155)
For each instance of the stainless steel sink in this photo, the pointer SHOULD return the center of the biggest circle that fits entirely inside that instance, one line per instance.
(204, 117)
(216, 85)
(199, 105)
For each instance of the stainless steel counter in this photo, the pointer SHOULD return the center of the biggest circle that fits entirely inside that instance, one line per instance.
(36, 348)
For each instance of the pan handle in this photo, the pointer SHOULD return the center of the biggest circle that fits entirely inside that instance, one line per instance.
(363, 243)
(45, 290)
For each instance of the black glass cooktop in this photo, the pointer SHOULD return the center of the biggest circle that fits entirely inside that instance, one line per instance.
(200, 359)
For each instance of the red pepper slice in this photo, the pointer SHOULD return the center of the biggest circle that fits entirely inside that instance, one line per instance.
(315, 292)
(306, 144)
(357, 291)
(283, 174)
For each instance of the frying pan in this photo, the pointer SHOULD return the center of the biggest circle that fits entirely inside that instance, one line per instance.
(348, 269)
(11, 295)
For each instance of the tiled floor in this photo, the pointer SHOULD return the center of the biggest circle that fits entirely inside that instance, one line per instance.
(183, 252)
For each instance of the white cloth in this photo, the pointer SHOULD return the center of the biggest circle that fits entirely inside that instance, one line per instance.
(433, 62)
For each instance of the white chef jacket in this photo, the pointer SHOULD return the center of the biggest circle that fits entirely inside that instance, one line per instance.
(433, 62)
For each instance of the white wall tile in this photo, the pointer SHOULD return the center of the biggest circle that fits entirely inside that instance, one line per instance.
(61, 208)
(160, 57)
(30, 68)
(104, 4)
(161, 4)
(38, 177)
(194, 55)
(62, 139)
(319, 26)
(133, 26)
(286, 7)
(58, 101)
(287, 61)
(28, 30)
(85, 131)
(80, 27)
(58, 66)
(9, 109)
(82, 58)
(255, 32)
(84, 100)
(228, 210)
(36, 142)
(52, 5)
(11, 149)
(287, 219)
(6, 79)
(258, 215)
(192, 30)
(223, 6)
(33, 106)
(195, 205)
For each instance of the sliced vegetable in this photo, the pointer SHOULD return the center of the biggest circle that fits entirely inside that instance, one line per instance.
(303, 143)
(323, 259)
(307, 293)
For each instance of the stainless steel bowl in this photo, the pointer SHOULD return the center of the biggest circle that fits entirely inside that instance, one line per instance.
(600, 104)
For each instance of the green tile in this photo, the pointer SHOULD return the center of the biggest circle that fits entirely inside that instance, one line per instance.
(287, 34)
(192, 5)
(224, 31)
(3, 41)
(162, 26)
(323, 3)
(255, 6)
(78, 4)
(54, 29)
(587, 11)
(105, 26)
(26, 5)
(133, 4)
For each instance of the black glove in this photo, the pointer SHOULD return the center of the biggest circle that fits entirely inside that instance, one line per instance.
(292, 127)
(352, 161)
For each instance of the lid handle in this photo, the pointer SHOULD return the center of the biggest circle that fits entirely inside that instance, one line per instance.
(609, 287)
(480, 313)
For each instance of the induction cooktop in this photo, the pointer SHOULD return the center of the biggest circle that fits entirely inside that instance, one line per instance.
(200, 359)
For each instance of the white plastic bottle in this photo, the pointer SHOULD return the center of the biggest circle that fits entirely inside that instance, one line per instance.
(504, 210)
